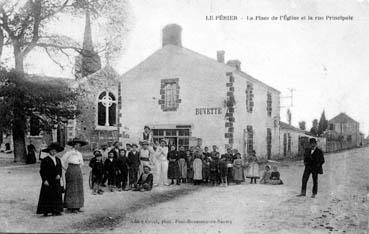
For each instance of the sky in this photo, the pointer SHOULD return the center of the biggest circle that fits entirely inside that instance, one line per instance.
(325, 62)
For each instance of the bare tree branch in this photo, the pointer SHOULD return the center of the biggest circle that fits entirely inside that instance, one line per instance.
(52, 58)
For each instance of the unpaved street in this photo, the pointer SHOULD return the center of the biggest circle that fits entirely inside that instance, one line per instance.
(340, 207)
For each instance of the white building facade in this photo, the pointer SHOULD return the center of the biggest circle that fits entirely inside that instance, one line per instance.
(191, 99)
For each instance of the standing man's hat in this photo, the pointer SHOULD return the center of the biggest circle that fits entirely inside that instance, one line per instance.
(53, 146)
(163, 140)
(129, 144)
(147, 127)
(312, 140)
(133, 145)
(145, 142)
(97, 153)
(77, 141)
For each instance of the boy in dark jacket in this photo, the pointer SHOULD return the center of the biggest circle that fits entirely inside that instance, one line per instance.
(146, 180)
(97, 174)
(134, 165)
(110, 166)
(122, 167)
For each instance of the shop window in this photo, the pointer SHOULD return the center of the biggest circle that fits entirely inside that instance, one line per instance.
(107, 109)
(269, 104)
(249, 97)
(169, 92)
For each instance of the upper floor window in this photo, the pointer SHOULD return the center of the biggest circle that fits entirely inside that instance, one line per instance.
(249, 97)
(107, 109)
(269, 104)
(250, 139)
(169, 92)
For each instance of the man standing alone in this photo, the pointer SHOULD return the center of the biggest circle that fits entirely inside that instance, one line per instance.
(313, 160)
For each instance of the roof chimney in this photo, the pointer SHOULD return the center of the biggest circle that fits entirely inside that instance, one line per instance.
(235, 63)
(172, 35)
(220, 56)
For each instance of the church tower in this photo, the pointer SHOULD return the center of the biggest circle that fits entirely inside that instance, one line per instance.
(88, 61)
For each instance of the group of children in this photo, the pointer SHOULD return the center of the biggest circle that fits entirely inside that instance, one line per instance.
(129, 169)
(120, 169)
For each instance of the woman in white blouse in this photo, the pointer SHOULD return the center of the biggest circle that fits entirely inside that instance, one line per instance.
(72, 161)
(161, 164)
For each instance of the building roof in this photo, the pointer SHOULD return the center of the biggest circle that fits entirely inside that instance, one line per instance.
(342, 118)
(287, 126)
(170, 48)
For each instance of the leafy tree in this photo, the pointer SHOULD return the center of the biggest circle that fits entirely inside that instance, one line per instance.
(22, 99)
(314, 128)
(302, 125)
(24, 27)
(323, 124)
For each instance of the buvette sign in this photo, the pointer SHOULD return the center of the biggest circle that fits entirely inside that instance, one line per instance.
(209, 111)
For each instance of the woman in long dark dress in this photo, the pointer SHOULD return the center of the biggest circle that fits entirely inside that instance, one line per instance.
(50, 200)
(31, 154)
(173, 167)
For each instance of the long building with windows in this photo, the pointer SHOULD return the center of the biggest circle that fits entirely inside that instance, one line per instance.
(191, 99)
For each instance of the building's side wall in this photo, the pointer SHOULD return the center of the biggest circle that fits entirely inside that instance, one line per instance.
(258, 118)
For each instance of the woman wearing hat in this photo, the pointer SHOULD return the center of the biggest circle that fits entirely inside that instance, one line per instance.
(161, 164)
(50, 200)
(72, 162)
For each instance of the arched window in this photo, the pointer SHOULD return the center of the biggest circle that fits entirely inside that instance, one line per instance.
(107, 109)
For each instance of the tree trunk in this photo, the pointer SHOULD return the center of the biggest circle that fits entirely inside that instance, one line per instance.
(19, 123)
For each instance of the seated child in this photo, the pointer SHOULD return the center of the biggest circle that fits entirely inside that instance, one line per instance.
(97, 174)
(275, 176)
(265, 178)
(111, 170)
(146, 180)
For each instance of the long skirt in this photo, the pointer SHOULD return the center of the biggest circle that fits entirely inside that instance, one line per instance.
(173, 170)
(50, 200)
(161, 172)
(182, 168)
(205, 171)
(74, 197)
(253, 171)
(197, 170)
(238, 173)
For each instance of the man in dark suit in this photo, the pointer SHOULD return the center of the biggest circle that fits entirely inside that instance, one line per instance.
(313, 160)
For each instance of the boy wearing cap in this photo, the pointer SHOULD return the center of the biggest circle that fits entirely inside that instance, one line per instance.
(97, 166)
(134, 165)
(146, 180)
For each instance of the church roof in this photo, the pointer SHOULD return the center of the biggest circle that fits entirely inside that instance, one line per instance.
(342, 118)
(174, 50)
(287, 126)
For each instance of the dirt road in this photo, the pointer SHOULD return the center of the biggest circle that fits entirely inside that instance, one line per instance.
(340, 207)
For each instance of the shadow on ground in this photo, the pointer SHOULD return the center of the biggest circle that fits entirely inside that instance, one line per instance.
(114, 218)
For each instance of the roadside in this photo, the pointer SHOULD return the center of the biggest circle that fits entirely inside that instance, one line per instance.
(340, 207)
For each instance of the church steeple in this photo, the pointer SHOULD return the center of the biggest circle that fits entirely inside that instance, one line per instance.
(88, 61)
(87, 37)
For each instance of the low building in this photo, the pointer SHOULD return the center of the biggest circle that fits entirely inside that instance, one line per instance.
(343, 133)
(192, 99)
(293, 141)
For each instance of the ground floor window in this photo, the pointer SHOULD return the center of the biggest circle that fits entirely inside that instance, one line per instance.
(177, 136)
